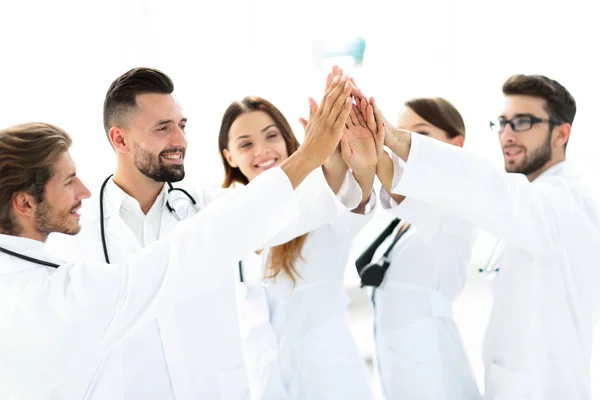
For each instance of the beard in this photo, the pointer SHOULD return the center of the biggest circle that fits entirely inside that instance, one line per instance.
(534, 161)
(153, 167)
(49, 219)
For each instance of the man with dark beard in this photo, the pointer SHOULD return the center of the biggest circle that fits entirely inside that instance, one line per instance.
(539, 337)
(537, 112)
(175, 356)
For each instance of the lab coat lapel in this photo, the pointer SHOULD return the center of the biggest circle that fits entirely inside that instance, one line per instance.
(119, 235)
(168, 221)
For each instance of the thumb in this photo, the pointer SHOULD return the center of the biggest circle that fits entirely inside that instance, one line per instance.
(345, 149)
(303, 122)
(380, 135)
(312, 105)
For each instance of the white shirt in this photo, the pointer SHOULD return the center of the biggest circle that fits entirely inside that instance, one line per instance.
(175, 355)
(59, 326)
(420, 354)
(146, 227)
(304, 349)
(538, 341)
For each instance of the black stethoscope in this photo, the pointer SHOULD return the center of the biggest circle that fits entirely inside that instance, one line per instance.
(372, 273)
(27, 258)
(169, 207)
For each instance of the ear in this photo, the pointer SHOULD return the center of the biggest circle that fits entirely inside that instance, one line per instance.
(229, 159)
(562, 134)
(23, 205)
(117, 138)
(458, 141)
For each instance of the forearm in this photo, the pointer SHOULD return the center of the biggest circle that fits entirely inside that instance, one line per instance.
(334, 171)
(298, 166)
(469, 186)
(385, 174)
(365, 180)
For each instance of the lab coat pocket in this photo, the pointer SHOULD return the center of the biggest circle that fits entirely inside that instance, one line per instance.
(233, 384)
(503, 383)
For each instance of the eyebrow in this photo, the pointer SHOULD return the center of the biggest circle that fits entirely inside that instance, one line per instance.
(262, 131)
(268, 127)
(169, 121)
(518, 115)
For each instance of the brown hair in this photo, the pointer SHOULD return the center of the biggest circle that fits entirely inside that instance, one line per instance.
(282, 257)
(27, 154)
(560, 105)
(120, 98)
(440, 113)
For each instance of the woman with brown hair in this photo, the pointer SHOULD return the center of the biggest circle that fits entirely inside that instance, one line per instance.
(306, 350)
(420, 354)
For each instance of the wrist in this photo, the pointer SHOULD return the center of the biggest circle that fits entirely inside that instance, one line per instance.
(298, 166)
(399, 142)
(385, 171)
(365, 180)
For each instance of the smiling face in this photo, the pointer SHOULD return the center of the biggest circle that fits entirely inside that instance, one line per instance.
(255, 144)
(529, 151)
(156, 138)
(58, 212)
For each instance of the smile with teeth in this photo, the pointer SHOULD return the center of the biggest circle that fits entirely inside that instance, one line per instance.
(266, 163)
(175, 156)
(512, 151)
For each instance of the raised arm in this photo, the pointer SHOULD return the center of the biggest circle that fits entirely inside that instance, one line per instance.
(72, 316)
(507, 205)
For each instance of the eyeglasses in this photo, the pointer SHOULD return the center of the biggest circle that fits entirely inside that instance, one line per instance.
(520, 123)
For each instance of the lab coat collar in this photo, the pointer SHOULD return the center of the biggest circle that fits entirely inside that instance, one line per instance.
(116, 197)
(563, 168)
(29, 247)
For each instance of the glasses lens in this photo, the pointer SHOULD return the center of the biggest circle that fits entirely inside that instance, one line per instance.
(522, 123)
(498, 126)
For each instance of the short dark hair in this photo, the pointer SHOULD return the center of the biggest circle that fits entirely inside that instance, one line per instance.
(27, 155)
(560, 104)
(440, 113)
(121, 96)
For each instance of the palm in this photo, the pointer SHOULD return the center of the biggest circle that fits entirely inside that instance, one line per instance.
(359, 150)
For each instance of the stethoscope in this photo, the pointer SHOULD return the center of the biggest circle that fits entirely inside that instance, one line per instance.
(491, 265)
(372, 273)
(169, 207)
(27, 258)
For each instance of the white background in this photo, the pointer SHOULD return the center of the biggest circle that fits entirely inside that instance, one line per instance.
(58, 57)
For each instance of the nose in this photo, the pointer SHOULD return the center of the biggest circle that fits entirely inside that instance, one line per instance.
(83, 192)
(179, 139)
(508, 135)
(261, 148)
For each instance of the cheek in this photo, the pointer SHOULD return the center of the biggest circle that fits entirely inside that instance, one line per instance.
(282, 149)
(243, 159)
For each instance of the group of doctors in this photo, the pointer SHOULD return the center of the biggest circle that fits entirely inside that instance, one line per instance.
(157, 291)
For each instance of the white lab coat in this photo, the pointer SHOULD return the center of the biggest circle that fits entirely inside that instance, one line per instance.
(192, 349)
(538, 341)
(419, 350)
(305, 351)
(59, 327)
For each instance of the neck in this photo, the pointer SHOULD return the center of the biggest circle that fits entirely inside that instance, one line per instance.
(28, 233)
(552, 162)
(138, 186)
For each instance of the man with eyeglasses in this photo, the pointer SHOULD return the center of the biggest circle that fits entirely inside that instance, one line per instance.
(539, 338)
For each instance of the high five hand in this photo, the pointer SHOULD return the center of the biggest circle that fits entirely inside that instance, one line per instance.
(325, 125)
(359, 143)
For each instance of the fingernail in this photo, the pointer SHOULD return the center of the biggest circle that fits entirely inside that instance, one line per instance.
(336, 79)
